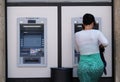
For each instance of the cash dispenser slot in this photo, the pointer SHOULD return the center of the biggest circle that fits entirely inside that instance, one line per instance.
(31, 60)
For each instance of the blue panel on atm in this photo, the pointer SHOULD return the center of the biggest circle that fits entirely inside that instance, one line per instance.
(32, 41)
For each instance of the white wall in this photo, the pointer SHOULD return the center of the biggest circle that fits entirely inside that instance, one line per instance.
(51, 14)
(31, 72)
(69, 12)
(58, 0)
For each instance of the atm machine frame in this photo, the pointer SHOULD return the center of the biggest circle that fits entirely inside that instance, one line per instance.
(32, 41)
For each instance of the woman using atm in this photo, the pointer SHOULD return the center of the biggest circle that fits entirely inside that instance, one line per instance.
(87, 42)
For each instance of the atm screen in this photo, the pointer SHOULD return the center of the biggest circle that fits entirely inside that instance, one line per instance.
(32, 36)
(32, 41)
(78, 27)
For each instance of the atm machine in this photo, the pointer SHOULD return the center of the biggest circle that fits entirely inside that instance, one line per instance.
(77, 26)
(31, 41)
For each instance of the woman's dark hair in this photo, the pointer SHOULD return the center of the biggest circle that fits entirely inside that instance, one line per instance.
(88, 19)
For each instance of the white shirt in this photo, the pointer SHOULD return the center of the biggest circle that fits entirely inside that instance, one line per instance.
(88, 41)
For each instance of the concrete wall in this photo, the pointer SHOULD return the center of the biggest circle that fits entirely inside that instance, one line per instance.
(2, 42)
(117, 37)
(116, 31)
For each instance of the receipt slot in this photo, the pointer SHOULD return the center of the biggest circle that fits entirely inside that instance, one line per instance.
(32, 40)
(77, 26)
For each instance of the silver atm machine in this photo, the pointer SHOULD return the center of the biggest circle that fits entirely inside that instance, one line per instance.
(31, 41)
(77, 26)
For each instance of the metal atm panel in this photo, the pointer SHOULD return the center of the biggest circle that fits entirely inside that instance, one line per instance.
(32, 40)
(77, 26)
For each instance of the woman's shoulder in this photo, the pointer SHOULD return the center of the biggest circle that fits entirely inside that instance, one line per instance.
(96, 31)
(79, 32)
(88, 31)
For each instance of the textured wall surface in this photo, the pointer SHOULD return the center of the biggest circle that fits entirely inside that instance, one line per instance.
(2, 37)
(117, 37)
